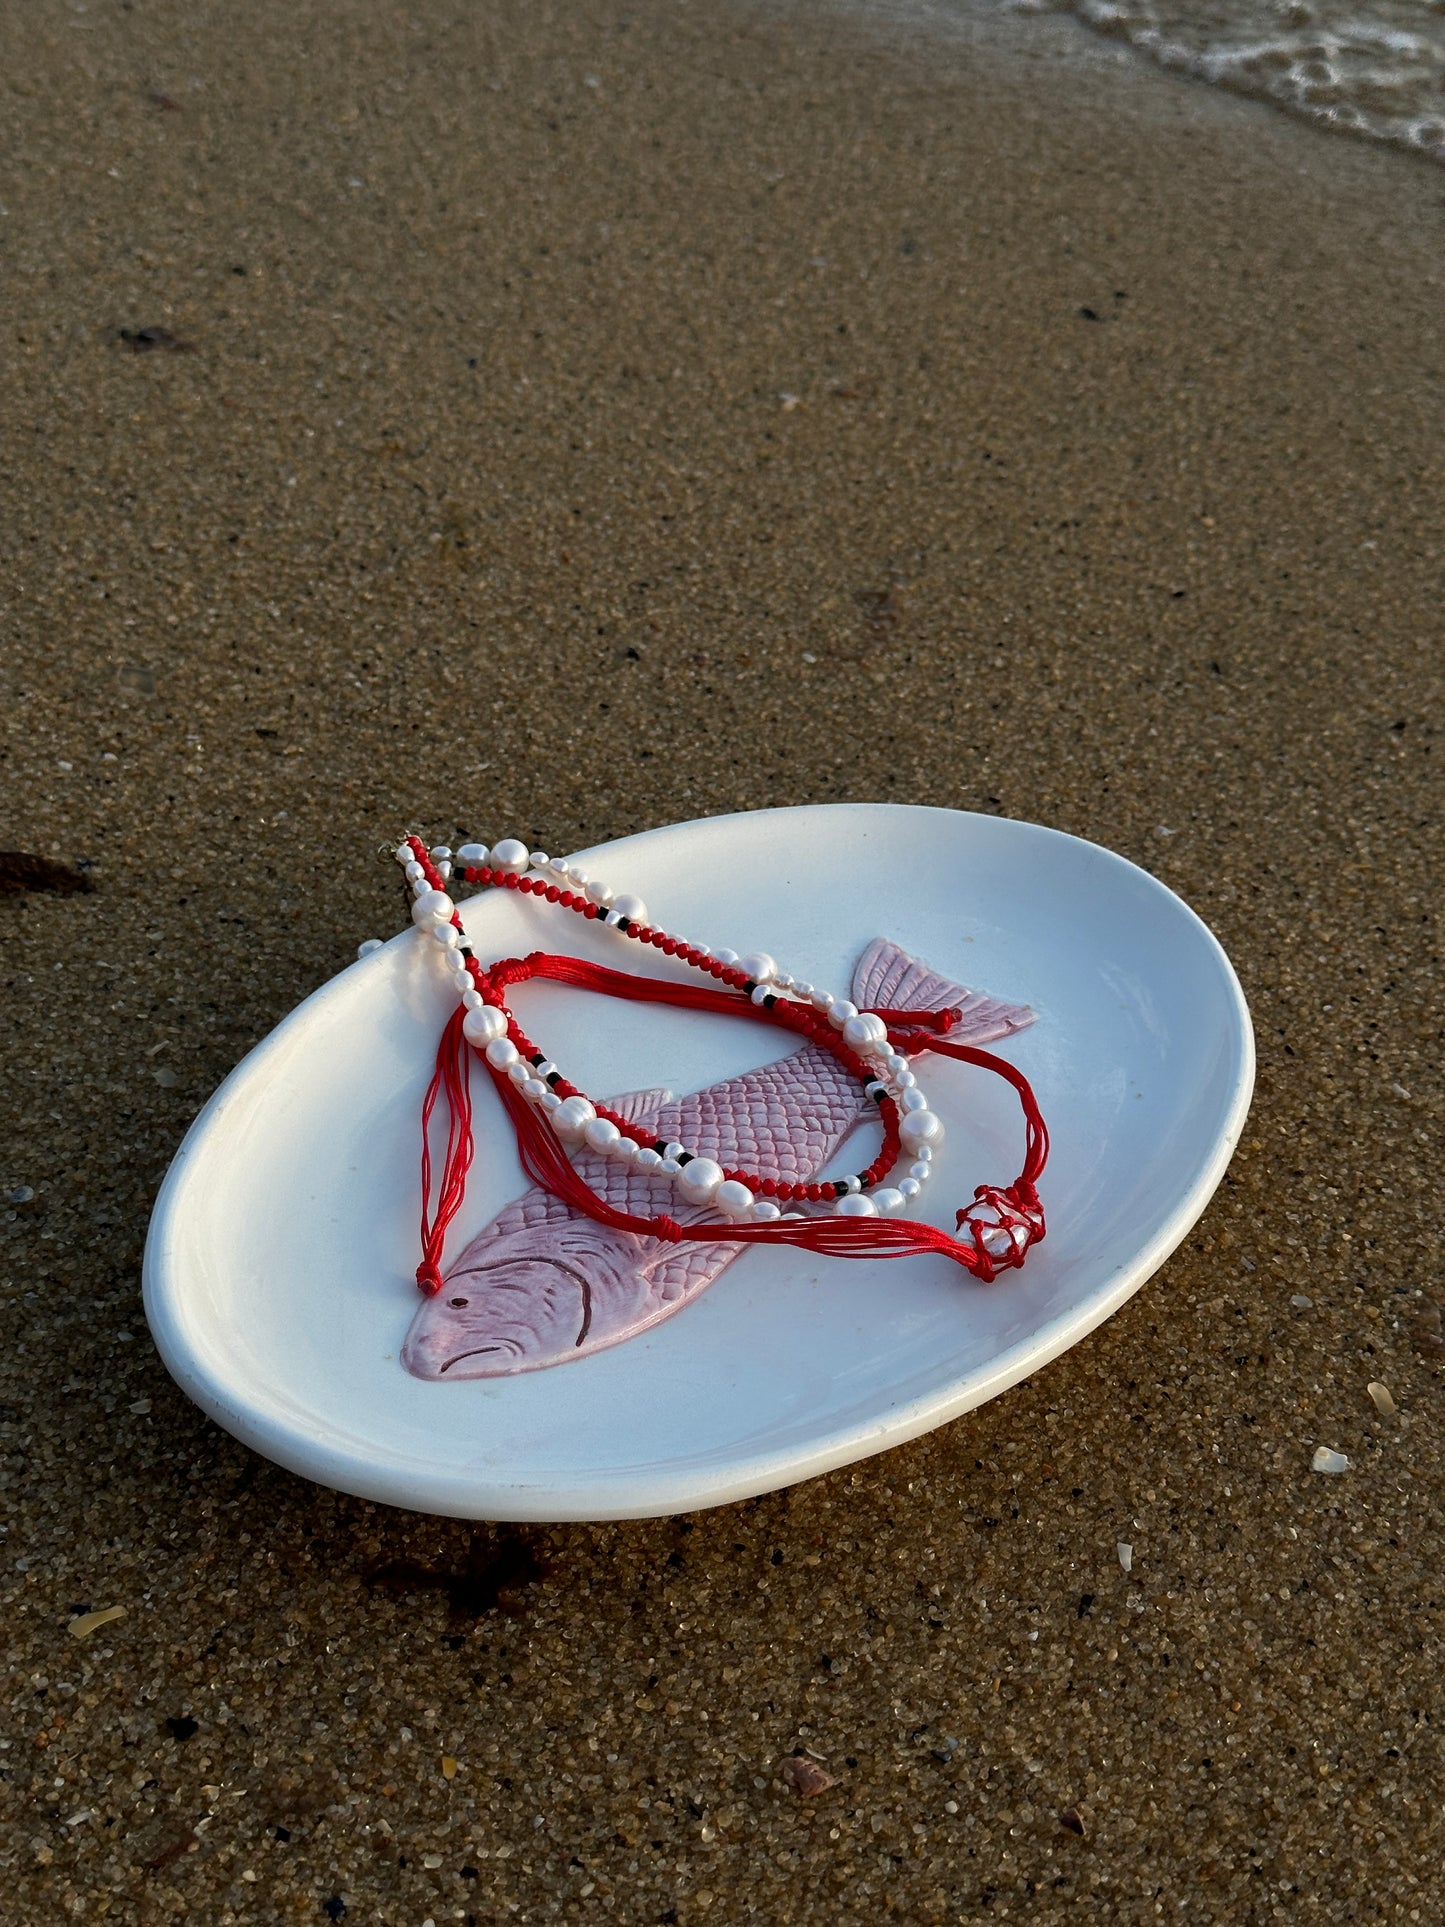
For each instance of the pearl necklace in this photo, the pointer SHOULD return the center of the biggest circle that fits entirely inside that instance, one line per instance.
(862, 1042)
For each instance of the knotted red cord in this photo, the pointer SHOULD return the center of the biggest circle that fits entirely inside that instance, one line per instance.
(1011, 1215)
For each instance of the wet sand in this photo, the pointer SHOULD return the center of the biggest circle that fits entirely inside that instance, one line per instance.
(577, 419)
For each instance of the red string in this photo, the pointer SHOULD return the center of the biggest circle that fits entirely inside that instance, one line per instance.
(995, 1233)
(453, 1076)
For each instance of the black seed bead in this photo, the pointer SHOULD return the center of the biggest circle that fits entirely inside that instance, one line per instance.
(537, 1057)
(684, 1157)
(748, 986)
(769, 1001)
(554, 1077)
(660, 1144)
(840, 1187)
(624, 924)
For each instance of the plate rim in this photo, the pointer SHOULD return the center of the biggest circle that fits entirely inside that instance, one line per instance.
(683, 1487)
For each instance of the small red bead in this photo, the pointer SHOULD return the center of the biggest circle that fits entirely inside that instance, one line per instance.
(590, 912)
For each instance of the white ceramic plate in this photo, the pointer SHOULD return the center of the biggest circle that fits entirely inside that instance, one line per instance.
(279, 1266)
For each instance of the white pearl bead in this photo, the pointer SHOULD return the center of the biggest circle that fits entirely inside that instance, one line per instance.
(633, 908)
(865, 1032)
(365, 949)
(673, 1149)
(534, 1090)
(909, 1189)
(765, 1211)
(839, 1012)
(578, 876)
(701, 949)
(520, 1071)
(733, 1199)
(648, 1159)
(625, 1150)
(803, 990)
(820, 999)
(600, 894)
(403, 853)
(855, 1205)
(432, 906)
(758, 965)
(781, 980)
(920, 1127)
(446, 934)
(551, 1103)
(414, 872)
(894, 1064)
(669, 1168)
(920, 1172)
(601, 1133)
(510, 854)
(440, 852)
(472, 998)
(545, 1068)
(923, 1153)
(911, 1100)
(501, 1052)
(760, 993)
(571, 1118)
(538, 859)
(484, 1024)
(699, 1179)
(905, 1080)
(725, 956)
(889, 1199)
(473, 856)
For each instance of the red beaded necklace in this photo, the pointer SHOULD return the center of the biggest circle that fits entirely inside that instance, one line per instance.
(995, 1232)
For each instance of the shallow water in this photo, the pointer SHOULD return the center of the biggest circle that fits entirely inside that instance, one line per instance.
(1370, 67)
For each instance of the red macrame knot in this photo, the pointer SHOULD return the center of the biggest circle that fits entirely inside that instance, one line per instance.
(668, 1229)
(428, 1278)
(1002, 1224)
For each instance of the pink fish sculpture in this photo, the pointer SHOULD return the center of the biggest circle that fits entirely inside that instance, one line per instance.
(544, 1283)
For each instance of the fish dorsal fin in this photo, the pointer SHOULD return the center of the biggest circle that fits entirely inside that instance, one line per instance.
(887, 978)
(639, 1105)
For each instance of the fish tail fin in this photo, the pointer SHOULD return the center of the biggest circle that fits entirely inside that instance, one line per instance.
(887, 978)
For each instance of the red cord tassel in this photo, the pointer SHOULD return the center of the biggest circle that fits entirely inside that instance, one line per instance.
(453, 1075)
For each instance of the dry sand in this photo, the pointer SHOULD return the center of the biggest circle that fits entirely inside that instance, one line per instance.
(584, 417)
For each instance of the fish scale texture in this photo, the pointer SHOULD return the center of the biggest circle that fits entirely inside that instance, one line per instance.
(780, 1121)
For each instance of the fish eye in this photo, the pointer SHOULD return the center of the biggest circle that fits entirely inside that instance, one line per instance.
(459, 1304)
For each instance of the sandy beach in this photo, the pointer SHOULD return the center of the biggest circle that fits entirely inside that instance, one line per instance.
(582, 418)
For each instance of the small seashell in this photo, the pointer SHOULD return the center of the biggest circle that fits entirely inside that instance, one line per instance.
(85, 1624)
(1325, 1460)
(806, 1778)
(1126, 1555)
(1383, 1402)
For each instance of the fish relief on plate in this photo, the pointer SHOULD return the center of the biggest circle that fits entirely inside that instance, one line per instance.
(543, 1283)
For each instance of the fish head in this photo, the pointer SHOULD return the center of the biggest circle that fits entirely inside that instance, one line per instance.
(527, 1298)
